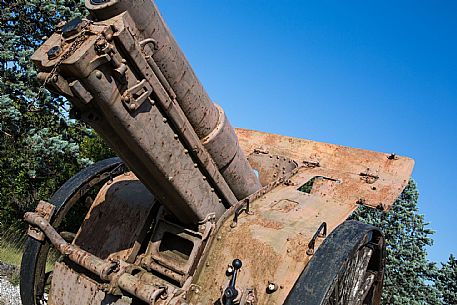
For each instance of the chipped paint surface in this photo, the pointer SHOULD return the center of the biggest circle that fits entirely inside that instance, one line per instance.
(272, 243)
(387, 175)
(128, 79)
(72, 288)
(117, 220)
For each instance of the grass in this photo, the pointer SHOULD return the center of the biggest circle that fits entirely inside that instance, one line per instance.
(10, 254)
(11, 242)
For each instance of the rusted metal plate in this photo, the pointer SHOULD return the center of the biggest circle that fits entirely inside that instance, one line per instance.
(117, 220)
(382, 176)
(270, 167)
(72, 288)
(272, 243)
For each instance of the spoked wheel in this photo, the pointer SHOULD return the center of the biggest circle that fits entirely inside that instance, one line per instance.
(34, 277)
(347, 269)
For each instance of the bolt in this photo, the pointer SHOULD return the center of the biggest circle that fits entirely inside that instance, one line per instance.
(72, 27)
(230, 269)
(53, 52)
(272, 287)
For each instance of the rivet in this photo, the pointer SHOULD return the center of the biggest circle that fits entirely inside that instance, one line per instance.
(175, 136)
(98, 74)
(109, 37)
(212, 190)
(170, 178)
(195, 165)
(186, 151)
(132, 106)
(204, 178)
(229, 269)
(272, 287)
(164, 120)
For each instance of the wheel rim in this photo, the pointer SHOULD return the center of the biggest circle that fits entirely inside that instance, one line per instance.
(347, 269)
(33, 265)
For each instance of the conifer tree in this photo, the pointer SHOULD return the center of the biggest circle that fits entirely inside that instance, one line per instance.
(408, 272)
(40, 147)
(446, 281)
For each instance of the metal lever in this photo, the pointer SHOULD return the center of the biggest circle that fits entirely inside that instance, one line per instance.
(230, 292)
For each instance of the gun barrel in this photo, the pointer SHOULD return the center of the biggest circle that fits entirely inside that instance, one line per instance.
(209, 122)
(116, 69)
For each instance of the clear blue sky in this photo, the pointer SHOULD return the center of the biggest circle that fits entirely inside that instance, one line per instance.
(377, 75)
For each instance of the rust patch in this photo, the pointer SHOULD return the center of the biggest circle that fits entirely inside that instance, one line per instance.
(284, 205)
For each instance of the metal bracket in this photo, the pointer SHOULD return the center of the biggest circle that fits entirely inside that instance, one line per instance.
(321, 232)
(45, 210)
(135, 96)
(244, 208)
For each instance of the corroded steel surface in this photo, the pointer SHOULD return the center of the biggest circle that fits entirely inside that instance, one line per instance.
(384, 176)
(94, 264)
(122, 71)
(72, 288)
(118, 219)
(272, 243)
(128, 79)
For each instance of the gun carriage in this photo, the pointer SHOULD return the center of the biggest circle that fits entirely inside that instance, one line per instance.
(194, 211)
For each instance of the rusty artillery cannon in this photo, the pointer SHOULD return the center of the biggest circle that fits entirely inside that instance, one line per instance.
(194, 212)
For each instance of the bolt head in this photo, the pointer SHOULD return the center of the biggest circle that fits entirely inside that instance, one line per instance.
(72, 27)
(54, 52)
(230, 269)
(272, 287)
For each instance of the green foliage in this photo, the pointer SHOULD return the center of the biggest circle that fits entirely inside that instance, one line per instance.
(446, 281)
(40, 147)
(408, 272)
